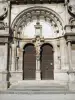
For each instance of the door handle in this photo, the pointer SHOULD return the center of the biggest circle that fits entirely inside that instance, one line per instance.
(51, 64)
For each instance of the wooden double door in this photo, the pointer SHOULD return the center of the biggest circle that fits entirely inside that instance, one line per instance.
(46, 62)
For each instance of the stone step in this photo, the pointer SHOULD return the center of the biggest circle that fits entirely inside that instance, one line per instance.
(35, 92)
(36, 84)
(37, 87)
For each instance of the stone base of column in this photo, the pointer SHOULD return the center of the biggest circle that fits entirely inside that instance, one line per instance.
(15, 77)
(38, 75)
(3, 85)
(3, 80)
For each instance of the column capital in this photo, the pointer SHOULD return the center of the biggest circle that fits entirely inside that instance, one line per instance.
(69, 41)
(38, 57)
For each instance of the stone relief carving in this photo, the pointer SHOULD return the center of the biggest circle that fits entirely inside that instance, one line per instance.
(3, 15)
(3, 11)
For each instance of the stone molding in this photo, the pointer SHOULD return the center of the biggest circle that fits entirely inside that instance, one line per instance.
(70, 32)
(3, 39)
(35, 1)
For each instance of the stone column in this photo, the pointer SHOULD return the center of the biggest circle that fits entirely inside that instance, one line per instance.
(69, 55)
(9, 14)
(37, 46)
(38, 75)
(13, 57)
(6, 57)
(10, 58)
(20, 59)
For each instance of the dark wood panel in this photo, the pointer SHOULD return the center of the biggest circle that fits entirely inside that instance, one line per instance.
(47, 66)
(29, 62)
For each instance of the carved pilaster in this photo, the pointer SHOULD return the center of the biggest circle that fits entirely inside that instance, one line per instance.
(9, 14)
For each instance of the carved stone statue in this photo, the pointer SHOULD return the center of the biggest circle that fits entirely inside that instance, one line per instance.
(37, 45)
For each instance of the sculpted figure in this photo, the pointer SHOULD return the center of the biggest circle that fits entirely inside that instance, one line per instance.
(37, 45)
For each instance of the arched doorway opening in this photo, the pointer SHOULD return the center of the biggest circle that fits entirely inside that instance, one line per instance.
(29, 62)
(46, 62)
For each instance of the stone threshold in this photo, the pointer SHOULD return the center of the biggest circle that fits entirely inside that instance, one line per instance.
(37, 92)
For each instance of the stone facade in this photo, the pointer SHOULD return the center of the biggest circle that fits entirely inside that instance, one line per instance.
(15, 18)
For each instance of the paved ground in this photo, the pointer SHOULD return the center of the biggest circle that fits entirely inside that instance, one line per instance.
(37, 97)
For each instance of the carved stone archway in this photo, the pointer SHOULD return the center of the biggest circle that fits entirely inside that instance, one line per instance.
(26, 16)
(38, 13)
